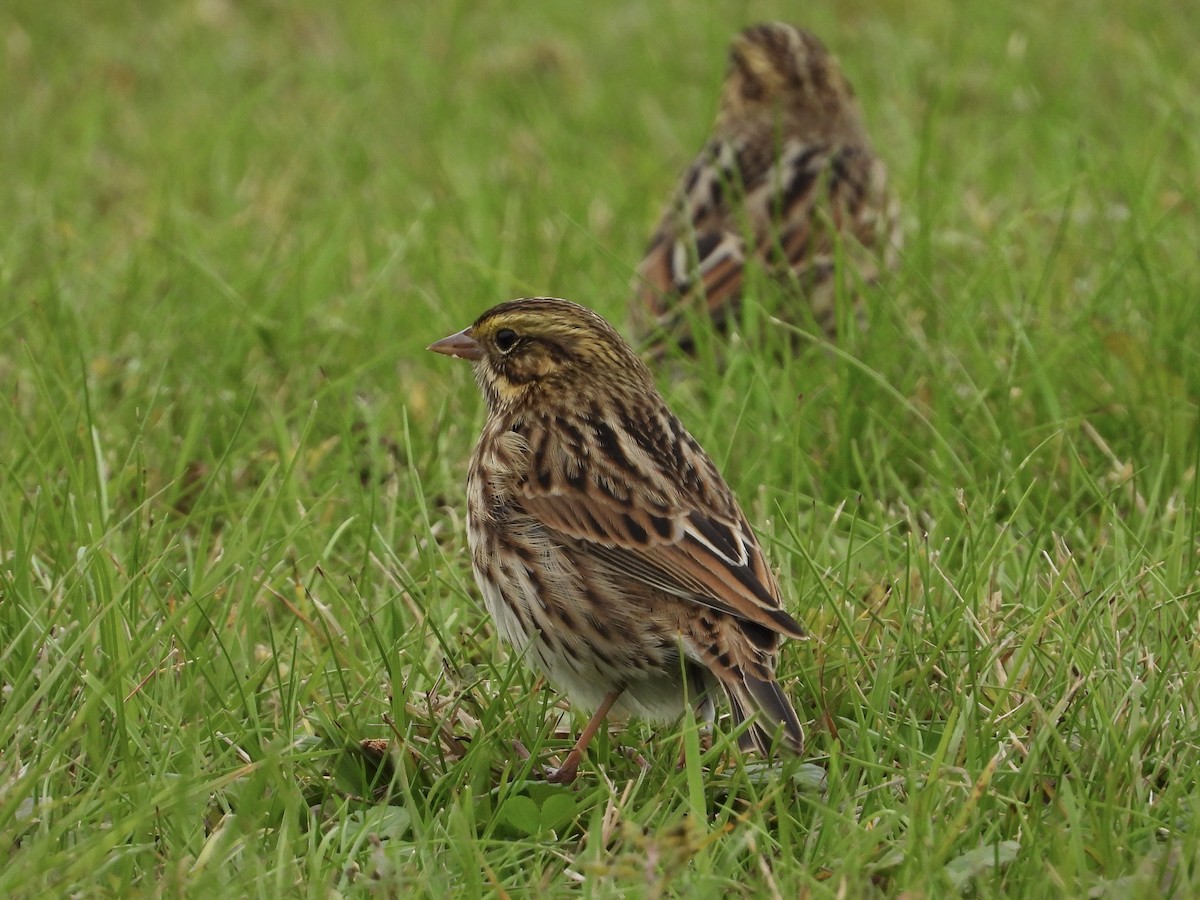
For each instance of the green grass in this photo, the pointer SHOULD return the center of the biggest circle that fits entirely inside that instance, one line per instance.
(231, 487)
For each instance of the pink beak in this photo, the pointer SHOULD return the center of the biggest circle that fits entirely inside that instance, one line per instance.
(460, 344)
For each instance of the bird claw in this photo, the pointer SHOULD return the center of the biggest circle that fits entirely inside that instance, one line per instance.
(562, 775)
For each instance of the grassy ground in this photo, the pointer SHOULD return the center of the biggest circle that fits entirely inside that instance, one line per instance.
(231, 484)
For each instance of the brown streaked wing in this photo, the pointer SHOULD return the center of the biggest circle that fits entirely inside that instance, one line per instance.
(783, 204)
(696, 251)
(698, 255)
(655, 280)
(721, 266)
(816, 198)
(709, 560)
(707, 265)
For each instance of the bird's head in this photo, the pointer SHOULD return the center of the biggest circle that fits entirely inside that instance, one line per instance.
(543, 350)
(782, 74)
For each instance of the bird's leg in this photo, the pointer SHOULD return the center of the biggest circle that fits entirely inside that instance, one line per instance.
(565, 773)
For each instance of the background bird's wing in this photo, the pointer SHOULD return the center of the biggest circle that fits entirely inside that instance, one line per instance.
(711, 560)
(697, 255)
(786, 206)
(812, 198)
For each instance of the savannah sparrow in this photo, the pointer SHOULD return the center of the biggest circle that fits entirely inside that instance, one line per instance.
(788, 175)
(603, 539)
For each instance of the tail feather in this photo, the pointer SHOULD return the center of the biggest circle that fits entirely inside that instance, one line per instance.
(742, 661)
(747, 740)
(772, 711)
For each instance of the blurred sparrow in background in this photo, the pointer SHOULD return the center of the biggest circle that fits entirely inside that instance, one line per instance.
(788, 181)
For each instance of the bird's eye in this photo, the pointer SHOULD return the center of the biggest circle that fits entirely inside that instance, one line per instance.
(506, 339)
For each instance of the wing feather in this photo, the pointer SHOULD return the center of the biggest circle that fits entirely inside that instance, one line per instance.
(786, 210)
(708, 560)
